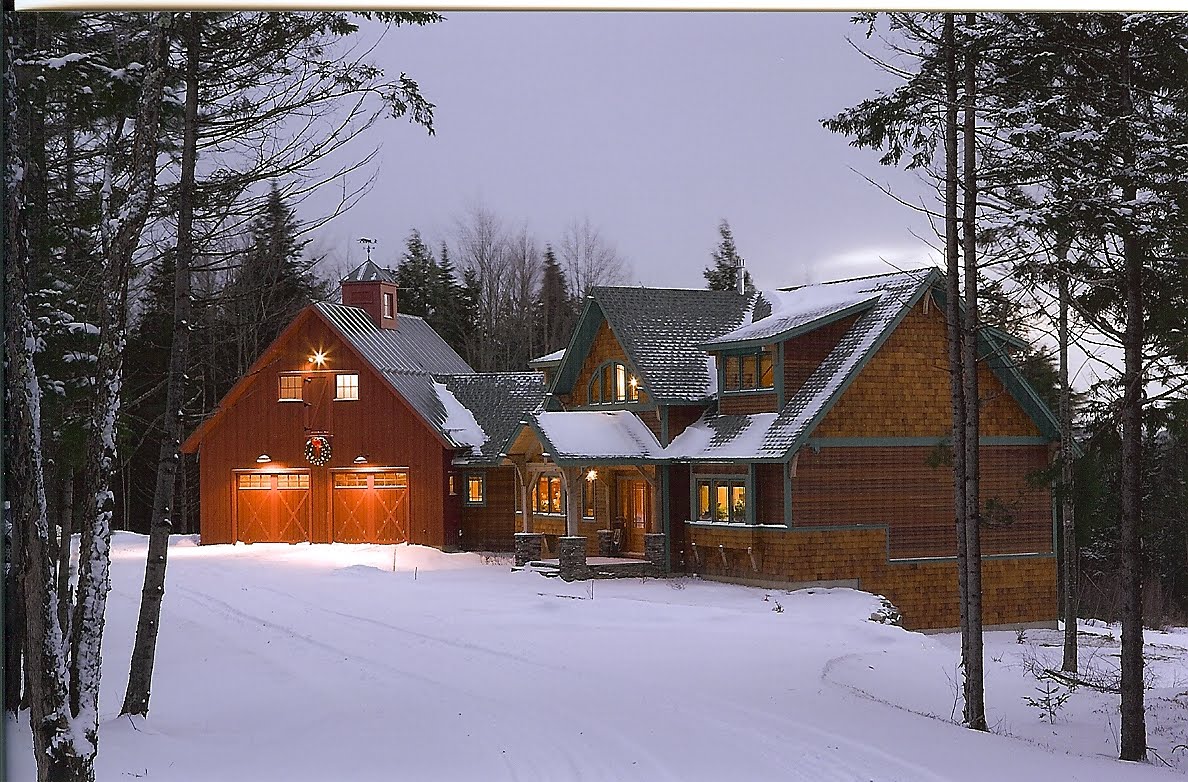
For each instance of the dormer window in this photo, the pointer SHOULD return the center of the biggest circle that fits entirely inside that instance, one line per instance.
(748, 371)
(612, 384)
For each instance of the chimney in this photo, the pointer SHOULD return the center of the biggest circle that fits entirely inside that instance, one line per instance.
(740, 272)
(373, 290)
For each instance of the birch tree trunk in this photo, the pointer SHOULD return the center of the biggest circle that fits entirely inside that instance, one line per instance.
(140, 674)
(975, 698)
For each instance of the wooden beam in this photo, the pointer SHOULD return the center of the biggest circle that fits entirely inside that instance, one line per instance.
(572, 477)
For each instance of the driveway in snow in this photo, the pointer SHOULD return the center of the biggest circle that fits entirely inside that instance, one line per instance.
(379, 662)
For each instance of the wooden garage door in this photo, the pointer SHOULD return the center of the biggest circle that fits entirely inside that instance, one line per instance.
(272, 507)
(371, 507)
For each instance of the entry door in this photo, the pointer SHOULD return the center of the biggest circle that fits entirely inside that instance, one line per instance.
(272, 507)
(634, 505)
(371, 507)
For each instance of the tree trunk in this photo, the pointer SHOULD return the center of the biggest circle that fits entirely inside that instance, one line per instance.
(953, 317)
(975, 700)
(55, 750)
(64, 555)
(1068, 562)
(140, 674)
(1134, 729)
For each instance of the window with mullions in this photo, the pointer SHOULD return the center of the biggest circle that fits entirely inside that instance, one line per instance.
(612, 384)
(722, 499)
(475, 490)
(346, 386)
(547, 495)
(748, 371)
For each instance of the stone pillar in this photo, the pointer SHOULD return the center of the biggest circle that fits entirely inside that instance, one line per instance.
(656, 552)
(528, 547)
(606, 543)
(571, 551)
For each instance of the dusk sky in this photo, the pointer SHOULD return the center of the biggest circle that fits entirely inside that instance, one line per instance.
(652, 125)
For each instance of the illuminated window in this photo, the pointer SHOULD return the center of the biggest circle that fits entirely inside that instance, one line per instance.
(548, 496)
(290, 388)
(587, 499)
(293, 480)
(388, 305)
(611, 384)
(255, 481)
(722, 499)
(346, 387)
(453, 485)
(747, 371)
(474, 489)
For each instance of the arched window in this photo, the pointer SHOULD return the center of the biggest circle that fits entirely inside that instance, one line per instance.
(611, 384)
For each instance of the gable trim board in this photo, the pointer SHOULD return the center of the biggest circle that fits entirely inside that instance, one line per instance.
(792, 331)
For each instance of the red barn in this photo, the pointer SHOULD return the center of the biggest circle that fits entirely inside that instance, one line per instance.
(346, 430)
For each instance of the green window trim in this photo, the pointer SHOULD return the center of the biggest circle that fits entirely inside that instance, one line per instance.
(474, 485)
(747, 371)
(723, 498)
(613, 384)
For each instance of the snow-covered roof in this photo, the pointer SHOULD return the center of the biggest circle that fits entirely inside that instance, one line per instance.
(548, 359)
(498, 402)
(590, 435)
(780, 314)
(775, 435)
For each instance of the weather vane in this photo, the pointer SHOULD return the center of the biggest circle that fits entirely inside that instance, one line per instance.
(368, 241)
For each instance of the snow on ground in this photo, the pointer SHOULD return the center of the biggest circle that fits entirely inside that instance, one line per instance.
(396, 662)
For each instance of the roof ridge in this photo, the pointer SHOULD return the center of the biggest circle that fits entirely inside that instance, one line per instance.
(922, 270)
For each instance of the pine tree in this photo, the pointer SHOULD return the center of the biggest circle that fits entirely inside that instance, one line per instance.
(418, 277)
(722, 273)
(555, 308)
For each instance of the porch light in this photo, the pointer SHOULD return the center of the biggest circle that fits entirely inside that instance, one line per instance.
(318, 358)
(634, 382)
(360, 459)
(592, 475)
(263, 459)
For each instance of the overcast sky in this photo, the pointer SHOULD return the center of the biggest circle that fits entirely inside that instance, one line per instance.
(653, 125)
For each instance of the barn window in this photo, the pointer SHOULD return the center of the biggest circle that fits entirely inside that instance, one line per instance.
(292, 480)
(387, 305)
(612, 384)
(722, 499)
(475, 490)
(453, 482)
(548, 496)
(290, 388)
(346, 386)
(748, 371)
(255, 481)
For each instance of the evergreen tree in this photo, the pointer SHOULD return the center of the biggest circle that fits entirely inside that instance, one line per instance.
(273, 283)
(555, 308)
(417, 275)
(722, 273)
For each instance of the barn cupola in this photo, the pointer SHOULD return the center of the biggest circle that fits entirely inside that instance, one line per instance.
(372, 289)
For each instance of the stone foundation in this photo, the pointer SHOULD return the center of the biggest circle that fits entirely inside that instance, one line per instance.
(606, 543)
(656, 552)
(528, 547)
(571, 554)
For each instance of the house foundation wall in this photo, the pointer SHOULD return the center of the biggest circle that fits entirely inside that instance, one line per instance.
(1015, 589)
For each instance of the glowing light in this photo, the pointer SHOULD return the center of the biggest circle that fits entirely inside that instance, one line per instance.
(634, 382)
(360, 459)
(318, 358)
(592, 475)
(263, 459)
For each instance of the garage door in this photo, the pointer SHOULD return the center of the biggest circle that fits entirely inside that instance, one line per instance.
(371, 507)
(272, 507)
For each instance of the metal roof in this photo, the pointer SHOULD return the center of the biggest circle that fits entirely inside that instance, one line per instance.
(499, 401)
(369, 271)
(407, 356)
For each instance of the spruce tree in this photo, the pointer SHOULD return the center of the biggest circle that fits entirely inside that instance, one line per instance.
(417, 276)
(722, 273)
(555, 308)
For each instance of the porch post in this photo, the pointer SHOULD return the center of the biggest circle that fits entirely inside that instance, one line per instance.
(573, 498)
(521, 464)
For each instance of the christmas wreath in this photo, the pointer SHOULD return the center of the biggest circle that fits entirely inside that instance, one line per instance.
(317, 450)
